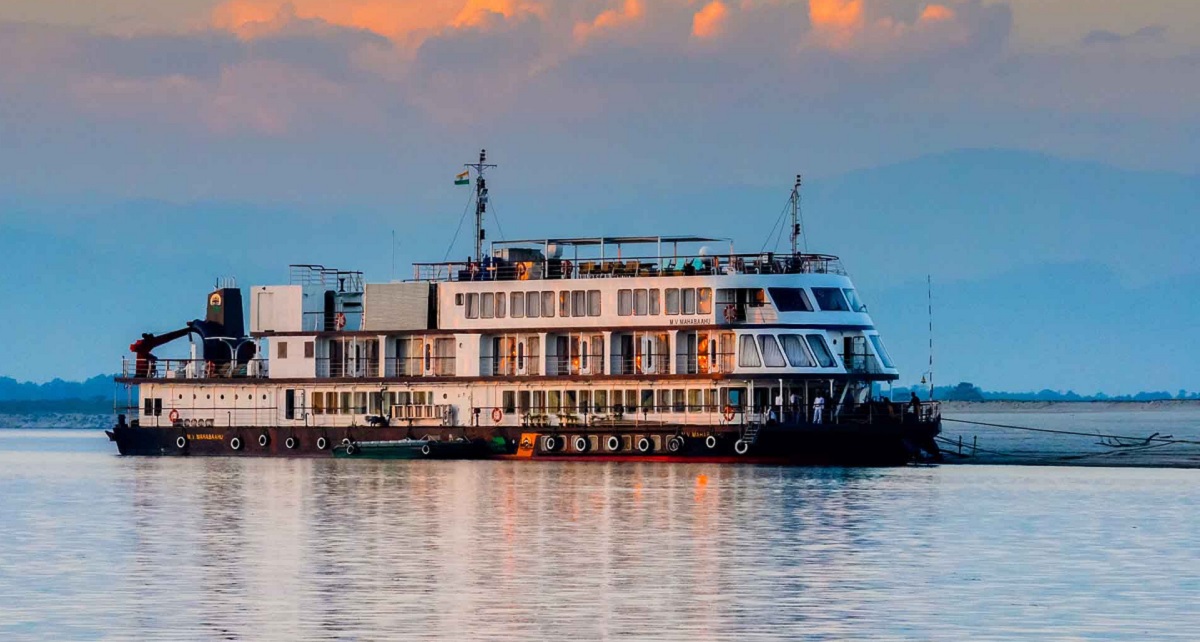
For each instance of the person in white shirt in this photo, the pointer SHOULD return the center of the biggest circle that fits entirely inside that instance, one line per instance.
(818, 409)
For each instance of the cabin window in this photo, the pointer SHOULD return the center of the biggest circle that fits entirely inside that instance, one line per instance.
(583, 354)
(473, 305)
(523, 401)
(710, 399)
(593, 297)
(689, 300)
(631, 400)
(501, 300)
(487, 307)
(318, 403)
(747, 352)
(509, 401)
(672, 301)
(539, 401)
(664, 400)
(600, 400)
(289, 404)
(772, 355)
(624, 302)
(428, 357)
(679, 400)
(555, 401)
(281, 350)
(654, 302)
(830, 299)
(704, 301)
(647, 400)
(360, 403)
(521, 356)
(585, 401)
(346, 404)
(518, 305)
(533, 305)
(856, 304)
(790, 299)
(821, 350)
(793, 348)
(309, 349)
(641, 302)
(578, 303)
(374, 402)
(547, 304)
(877, 341)
(570, 401)
(458, 299)
(695, 400)
(564, 304)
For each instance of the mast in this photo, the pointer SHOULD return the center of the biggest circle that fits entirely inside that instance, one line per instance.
(481, 199)
(795, 215)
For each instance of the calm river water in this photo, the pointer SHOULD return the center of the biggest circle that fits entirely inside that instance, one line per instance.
(95, 546)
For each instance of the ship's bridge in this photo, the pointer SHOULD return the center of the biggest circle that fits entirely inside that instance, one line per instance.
(621, 256)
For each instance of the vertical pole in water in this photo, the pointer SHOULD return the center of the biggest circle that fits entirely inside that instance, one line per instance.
(974, 444)
(960, 445)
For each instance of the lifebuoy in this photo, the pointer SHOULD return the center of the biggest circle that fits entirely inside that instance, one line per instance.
(644, 445)
(426, 450)
(729, 413)
(550, 443)
(351, 449)
(582, 444)
(263, 440)
(346, 441)
(235, 443)
(173, 416)
(730, 314)
(321, 443)
(497, 415)
(181, 443)
(613, 443)
(711, 442)
(339, 321)
(290, 442)
(675, 444)
(741, 447)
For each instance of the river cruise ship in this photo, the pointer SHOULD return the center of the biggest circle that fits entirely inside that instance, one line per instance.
(643, 348)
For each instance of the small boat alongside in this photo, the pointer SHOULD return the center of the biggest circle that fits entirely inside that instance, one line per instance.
(411, 449)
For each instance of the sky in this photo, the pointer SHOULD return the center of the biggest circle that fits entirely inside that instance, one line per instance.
(147, 146)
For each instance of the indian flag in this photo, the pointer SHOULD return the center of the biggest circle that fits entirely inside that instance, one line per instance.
(462, 179)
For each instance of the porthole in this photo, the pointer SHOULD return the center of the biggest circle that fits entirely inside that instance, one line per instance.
(208, 396)
(222, 396)
(264, 397)
(181, 396)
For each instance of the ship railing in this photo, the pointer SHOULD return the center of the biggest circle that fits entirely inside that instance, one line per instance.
(642, 364)
(861, 363)
(133, 368)
(509, 366)
(319, 275)
(640, 266)
(327, 368)
(567, 415)
(884, 411)
(429, 366)
(348, 321)
(717, 363)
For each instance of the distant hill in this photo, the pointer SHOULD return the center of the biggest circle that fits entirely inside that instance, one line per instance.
(99, 386)
(966, 391)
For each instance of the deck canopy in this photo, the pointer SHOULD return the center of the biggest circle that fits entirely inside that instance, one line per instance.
(598, 246)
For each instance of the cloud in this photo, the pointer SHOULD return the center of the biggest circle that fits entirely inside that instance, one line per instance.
(1152, 33)
(630, 12)
(709, 21)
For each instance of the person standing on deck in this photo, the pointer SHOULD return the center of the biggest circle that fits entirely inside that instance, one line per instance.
(818, 408)
(914, 407)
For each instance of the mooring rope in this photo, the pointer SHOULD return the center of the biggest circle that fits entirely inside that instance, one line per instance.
(1165, 440)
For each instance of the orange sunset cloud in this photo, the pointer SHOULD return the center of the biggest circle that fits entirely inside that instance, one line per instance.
(709, 21)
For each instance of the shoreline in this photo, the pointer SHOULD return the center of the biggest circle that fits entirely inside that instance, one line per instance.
(998, 406)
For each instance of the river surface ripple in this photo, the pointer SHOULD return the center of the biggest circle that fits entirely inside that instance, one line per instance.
(96, 546)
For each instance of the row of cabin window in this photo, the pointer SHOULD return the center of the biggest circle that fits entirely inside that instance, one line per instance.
(361, 403)
(828, 300)
(615, 401)
(678, 301)
(519, 305)
(796, 350)
(281, 350)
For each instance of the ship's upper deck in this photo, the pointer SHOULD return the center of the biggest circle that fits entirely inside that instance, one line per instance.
(621, 256)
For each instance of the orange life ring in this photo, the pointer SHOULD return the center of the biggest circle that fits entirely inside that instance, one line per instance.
(497, 415)
(729, 413)
(339, 321)
(174, 416)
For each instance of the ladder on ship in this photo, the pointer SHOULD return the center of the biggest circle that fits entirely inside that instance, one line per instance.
(751, 433)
